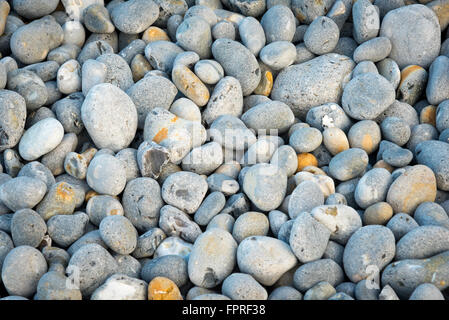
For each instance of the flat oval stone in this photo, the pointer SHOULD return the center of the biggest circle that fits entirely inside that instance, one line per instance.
(212, 259)
(368, 246)
(40, 139)
(423, 242)
(112, 130)
(238, 62)
(415, 186)
(312, 83)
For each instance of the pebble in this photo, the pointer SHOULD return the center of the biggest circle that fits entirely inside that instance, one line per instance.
(431, 214)
(265, 258)
(134, 16)
(250, 224)
(27, 228)
(316, 82)
(372, 188)
(172, 267)
(118, 234)
(106, 175)
(238, 62)
(370, 246)
(208, 267)
(121, 287)
(161, 288)
(321, 36)
(266, 193)
(416, 185)
(115, 130)
(398, 24)
(348, 164)
(175, 222)
(374, 50)
(321, 291)
(20, 278)
(432, 154)
(240, 286)
(285, 293)
(66, 229)
(426, 291)
(422, 242)
(306, 196)
(366, 96)
(341, 220)
(401, 224)
(312, 273)
(22, 192)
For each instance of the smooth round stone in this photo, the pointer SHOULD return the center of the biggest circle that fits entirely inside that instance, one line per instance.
(12, 118)
(328, 115)
(306, 196)
(426, 291)
(22, 192)
(286, 159)
(431, 214)
(74, 33)
(226, 99)
(252, 35)
(209, 71)
(238, 62)
(21, 278)
(92, 264)
(115, 130)
(365, 135)
(194, 34)
(175, 222)
(442, 116)
(27, 228)
(312, 83)
(412, 85)
(161, 288)
(202, 11)
(436, 89)
(321, 36)
(40, 139)
(265, 258)
(285, 293)
(366, 21)
(321, 291)
(118, 71)
(224, 29)
(121, 287)
(149, 93)
(422, 242)
(278, 24)
(148, 242)
(34, 9)
(308, 238)
(186, 109)
(389, 69)
(69, 77)
(415, 186)
(134, 16)
(400, 224)
(173, 267)
(305, 139)
(366, 96)
(348, 164)
(341, 220)
(397, 157)
(378, 213)
(207, 266)
(368, 246)
(278, 54)
(309, 274)
(411, 28)
(405, 275)
(268, 116)
(434, 155)
(241, 286)
(66, 229)
(250, 224)
(262, 188)
(204, 159)
(184, 190)
(335, 140)
(375, 50)
(97, 20)
(119, 234)
(32, 42)
(395, 130)
(372, 187)
(174, 246)
(222, 221)
(106, 175)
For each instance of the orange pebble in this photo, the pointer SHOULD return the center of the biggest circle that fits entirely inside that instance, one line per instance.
(90, 194)
(306, 159)
(383, 164)
(428, 115)
(154, 34)
(161, 288)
